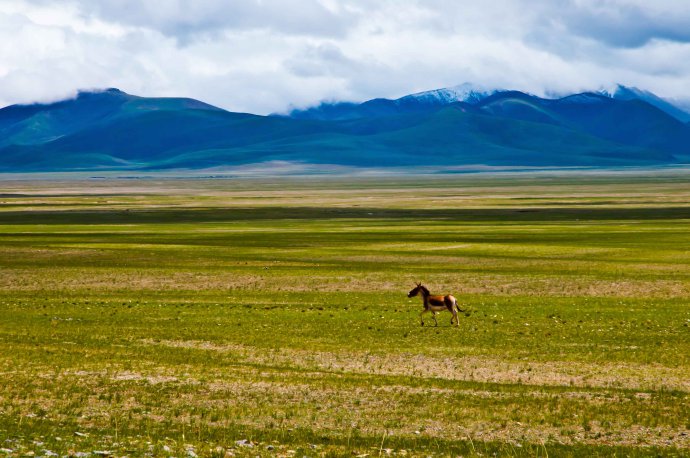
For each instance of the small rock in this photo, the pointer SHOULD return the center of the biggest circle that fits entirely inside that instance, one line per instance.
(78, 434)
(244, 443)
(49, 453)
(102, 452)
(192, 454)
(270, 447)
(417, 433)
(6, 450)
(166, 448)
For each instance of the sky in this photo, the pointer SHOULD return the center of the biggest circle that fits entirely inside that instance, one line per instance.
(264, 56)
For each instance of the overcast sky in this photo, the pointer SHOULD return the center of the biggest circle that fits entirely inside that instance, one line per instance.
(262, 56)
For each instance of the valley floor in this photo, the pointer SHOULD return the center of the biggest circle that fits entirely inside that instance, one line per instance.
(256, 317)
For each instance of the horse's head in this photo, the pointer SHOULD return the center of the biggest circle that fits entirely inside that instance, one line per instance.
(417, 289)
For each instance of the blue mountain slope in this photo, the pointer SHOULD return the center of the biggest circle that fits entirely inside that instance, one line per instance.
(631, 122)
(113, 130)
(38, 123)
(628, 122)
(376, 108)
(34, 124)
(520, 106)
(159, 135)
(457, 135)
(621, 92)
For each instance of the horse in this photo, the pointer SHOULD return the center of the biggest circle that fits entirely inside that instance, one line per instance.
(435, 304)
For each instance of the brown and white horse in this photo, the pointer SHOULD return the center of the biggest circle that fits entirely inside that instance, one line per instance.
(435, 304)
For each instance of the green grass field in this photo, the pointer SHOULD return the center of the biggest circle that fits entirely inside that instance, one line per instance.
(270, 318)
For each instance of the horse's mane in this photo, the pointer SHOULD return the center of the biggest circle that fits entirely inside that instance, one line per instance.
(424, 288)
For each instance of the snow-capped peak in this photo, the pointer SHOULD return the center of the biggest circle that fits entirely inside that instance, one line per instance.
(466, 92)
(609, 91)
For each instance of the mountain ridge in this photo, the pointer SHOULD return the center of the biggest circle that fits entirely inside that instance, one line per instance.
(110, 129)
(632, 93)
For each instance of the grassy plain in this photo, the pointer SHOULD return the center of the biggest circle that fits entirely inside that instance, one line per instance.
(178, 317)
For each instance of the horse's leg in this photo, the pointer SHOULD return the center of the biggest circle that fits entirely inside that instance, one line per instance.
(421, 316)
(455, 311)
(434, 315)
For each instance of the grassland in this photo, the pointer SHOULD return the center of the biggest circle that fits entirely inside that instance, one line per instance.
(178, 317)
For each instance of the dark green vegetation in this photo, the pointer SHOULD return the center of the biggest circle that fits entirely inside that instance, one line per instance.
(164, 317)
(111, 130)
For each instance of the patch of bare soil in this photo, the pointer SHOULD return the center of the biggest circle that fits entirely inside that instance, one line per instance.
(336, 408)
(467, 368)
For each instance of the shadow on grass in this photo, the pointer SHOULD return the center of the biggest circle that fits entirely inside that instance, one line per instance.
(201, 214)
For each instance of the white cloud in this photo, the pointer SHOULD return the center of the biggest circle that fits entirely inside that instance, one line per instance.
(263, 55)
(188, 19)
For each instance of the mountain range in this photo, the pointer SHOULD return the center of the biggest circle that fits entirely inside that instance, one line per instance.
(464, 125)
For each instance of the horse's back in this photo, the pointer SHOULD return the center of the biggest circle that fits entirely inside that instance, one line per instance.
(438, 303)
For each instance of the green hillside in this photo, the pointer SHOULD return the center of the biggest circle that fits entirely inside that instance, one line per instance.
(114, 130)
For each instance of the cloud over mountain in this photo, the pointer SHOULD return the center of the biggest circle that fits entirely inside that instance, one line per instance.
(265, 55)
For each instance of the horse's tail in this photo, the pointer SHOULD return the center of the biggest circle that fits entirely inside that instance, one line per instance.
(456, 305)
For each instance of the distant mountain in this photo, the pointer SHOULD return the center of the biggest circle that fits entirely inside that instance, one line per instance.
(421, 102)
(465, 125)
(39, 123)
(627, 122)
(466, 92)
(621, 92)
(112, 129)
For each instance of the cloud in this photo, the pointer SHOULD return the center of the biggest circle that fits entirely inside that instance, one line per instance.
(629, 25)
(191, 19)
(264, 55)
